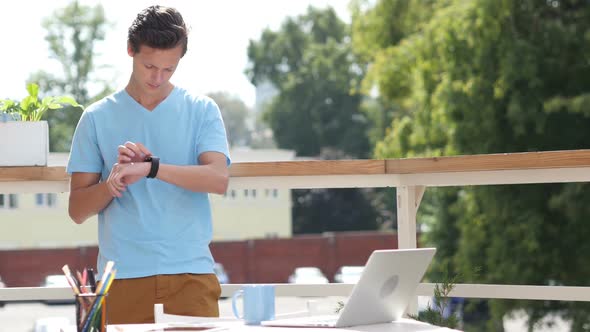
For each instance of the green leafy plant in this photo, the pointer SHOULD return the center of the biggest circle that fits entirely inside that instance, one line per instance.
(435, 315)
(339, 307)
(31, 107)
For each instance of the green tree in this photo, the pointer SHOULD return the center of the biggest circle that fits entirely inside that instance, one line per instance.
(335, 210)
(316, 112)
(72, 34)
(310, 62)
(489, 76)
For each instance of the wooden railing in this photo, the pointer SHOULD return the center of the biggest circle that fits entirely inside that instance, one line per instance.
(410, 177)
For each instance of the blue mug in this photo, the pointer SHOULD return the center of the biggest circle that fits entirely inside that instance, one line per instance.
(258, 301)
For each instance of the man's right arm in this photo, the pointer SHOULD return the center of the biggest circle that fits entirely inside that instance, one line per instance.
(88, 196)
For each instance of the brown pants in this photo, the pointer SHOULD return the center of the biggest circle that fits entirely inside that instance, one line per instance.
(131, 301)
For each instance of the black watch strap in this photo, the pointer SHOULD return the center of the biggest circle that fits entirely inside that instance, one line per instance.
(155, 166)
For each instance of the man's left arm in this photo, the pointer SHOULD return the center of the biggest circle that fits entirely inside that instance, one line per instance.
(211, 175)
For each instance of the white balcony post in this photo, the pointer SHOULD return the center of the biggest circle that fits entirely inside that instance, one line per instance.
(408, 201)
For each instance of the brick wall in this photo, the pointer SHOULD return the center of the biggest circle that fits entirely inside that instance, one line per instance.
(28, 268)
(252, 261)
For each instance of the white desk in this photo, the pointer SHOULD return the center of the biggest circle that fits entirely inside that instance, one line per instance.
(405, 325)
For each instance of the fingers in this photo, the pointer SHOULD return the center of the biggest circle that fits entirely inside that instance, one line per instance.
(145, 151)
(132, 152)
(125, 174)
(114, 191)
(114, 182)
(121, 175)
(125, 154)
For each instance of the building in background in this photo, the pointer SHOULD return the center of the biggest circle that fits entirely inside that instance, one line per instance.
(256, 212)
(41, 220)
(265, 91)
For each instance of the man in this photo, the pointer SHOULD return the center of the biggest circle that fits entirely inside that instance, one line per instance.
(144, 159)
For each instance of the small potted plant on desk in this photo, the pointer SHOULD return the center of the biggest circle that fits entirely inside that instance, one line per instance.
(24, 137)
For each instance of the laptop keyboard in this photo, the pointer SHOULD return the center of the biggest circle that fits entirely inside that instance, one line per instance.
(323, 322)
(318, 321)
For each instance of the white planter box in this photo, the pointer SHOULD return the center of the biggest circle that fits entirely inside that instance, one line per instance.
(24, 143)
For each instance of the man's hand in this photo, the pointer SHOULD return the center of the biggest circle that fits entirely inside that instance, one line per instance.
(132, 153)
(114, 184)
(123, 175)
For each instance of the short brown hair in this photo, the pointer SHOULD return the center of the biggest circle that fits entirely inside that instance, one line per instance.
(158, 27)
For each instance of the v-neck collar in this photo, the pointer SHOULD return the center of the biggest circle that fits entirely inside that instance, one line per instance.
(143, 108)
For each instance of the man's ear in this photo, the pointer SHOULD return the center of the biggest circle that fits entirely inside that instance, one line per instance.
(130, 50)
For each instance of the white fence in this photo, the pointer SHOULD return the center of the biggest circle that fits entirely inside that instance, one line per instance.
(411, 177)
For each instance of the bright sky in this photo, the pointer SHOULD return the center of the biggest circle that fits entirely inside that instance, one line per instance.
(215, 61)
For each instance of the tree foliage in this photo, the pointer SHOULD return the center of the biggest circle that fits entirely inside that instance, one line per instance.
(72, 33)
(488, 76)
(309, 61)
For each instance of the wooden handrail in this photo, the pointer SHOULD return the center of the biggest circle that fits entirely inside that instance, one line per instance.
(309, 167)
(489, 162)
(34, 173)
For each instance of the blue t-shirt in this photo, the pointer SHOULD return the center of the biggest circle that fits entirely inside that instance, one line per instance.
(155, 227)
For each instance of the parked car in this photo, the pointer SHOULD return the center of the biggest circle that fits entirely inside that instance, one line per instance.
(348, 274)
(221, 273)
(454, 306)
(2, 285)
(308, 275)
(57, 280)
(51, 324)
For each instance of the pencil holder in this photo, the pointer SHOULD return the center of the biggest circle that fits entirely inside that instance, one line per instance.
(91, 312)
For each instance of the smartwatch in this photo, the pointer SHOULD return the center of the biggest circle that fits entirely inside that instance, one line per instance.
(155, 166)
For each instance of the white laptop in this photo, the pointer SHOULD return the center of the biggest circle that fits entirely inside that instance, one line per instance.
(387, 283)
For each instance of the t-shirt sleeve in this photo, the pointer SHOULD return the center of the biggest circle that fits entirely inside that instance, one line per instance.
(85, 154)
(212, 136)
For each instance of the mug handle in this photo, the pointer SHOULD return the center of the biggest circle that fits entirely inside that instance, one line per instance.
(234, 298)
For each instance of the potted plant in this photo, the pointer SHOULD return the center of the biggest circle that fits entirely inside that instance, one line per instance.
(24, 136)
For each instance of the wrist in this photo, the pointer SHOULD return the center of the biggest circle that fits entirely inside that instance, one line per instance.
(155, 166)
(145, 168)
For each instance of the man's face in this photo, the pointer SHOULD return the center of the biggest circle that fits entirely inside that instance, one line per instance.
(153, 68)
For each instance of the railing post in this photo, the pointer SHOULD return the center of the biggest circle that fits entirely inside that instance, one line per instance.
(408, 201)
